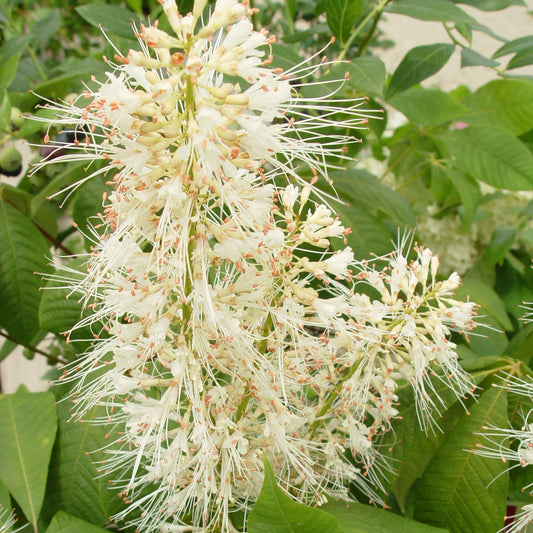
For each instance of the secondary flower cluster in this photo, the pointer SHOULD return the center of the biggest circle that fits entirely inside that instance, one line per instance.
(228, 325)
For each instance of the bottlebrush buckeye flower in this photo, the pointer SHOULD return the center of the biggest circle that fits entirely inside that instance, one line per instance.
(228, 327)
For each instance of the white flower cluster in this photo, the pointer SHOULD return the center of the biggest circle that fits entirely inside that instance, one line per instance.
(227, 327)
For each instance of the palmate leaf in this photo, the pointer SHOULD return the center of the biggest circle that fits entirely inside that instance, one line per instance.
(23, 252)
(461, 490)
(275, 512)
(28, 424)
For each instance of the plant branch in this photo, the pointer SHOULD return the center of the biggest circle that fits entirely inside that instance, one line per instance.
(34, 349)
(364, 42)
(357, 29)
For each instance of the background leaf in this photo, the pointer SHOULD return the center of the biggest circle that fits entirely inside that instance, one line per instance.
(28, 424)
(418, 64)
(361, 188)
(275, 512)
(428, 107)
(342, 16)
(491, 5)
(112, 19)
(491, 155)
(507, 103)
(436, 10)
(23, 252)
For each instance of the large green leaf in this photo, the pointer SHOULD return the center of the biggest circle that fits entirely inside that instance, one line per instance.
(360, 518)
(275, 512)
(361, 188)
(505, 103)
(342, 16)
(427, 107)
(66, 523)
(489, 154)
(436, 10)
(72, 486)
(459, 489)
(28, 424)
(112, 19)
(23, 252)
(418, 64)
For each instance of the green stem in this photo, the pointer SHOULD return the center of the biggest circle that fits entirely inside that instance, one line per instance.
(364, 42)
(358, 28)
(34, 349)
(331, 398)
(36, 63)
(267, 328)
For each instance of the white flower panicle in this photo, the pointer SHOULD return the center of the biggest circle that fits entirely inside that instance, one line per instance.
(227, 328)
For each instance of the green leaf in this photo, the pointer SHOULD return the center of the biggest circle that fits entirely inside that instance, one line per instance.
(484, 295)
(418, 64)
(367, 75)
(66, 523)
(136, 5)
(504, 103)
(342, 16)
(427, 107)
(28, 425)
(469, 191)
(436, 10)
(73, 485)
(13, 47)
(489, 154)
(360, 518)
(88, 203)
(471, 58)
(45, 27)
(7, 348)
(503, 237)
(275, 512)
(521, 345)
(361, 188)
(60, 310)
(112, 19)
(22, 254)
(368, 233)
(521, 59)
(491, 5)
(516, 45)
(459, 489)
(8, 71)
